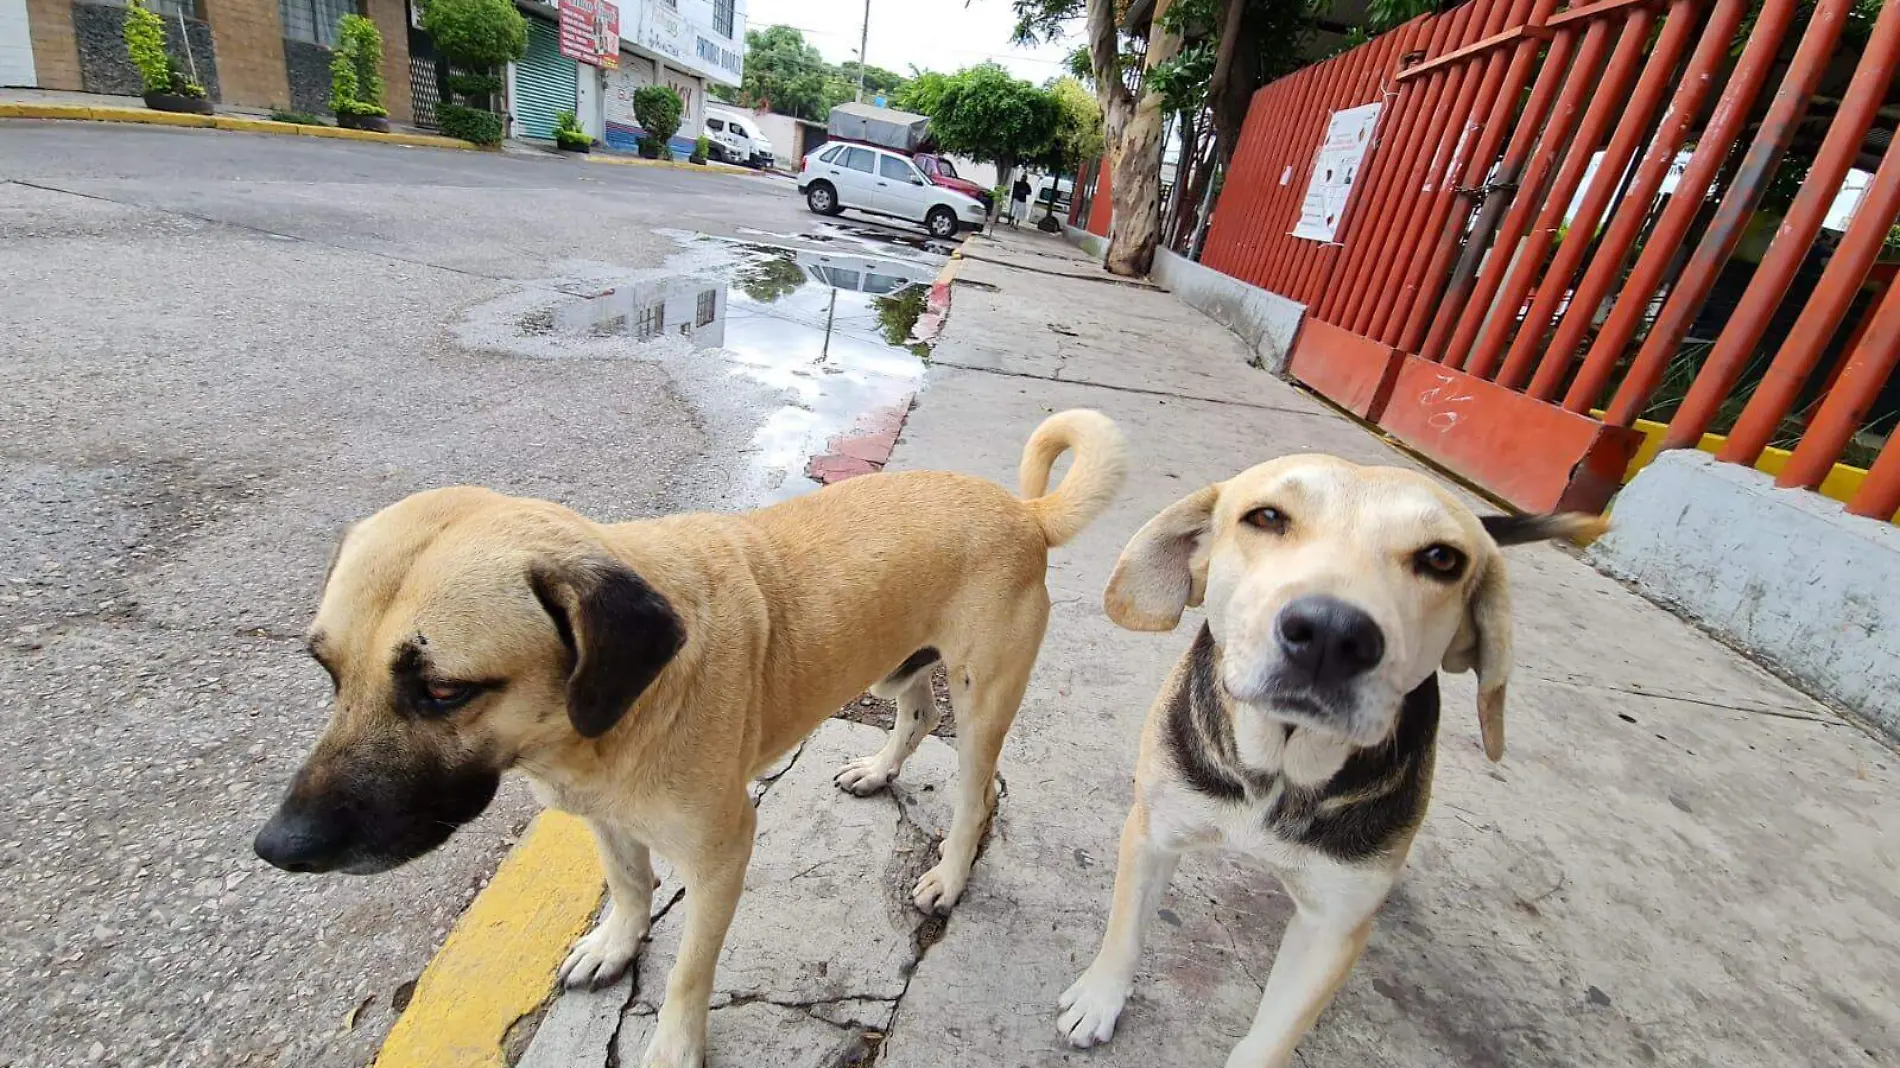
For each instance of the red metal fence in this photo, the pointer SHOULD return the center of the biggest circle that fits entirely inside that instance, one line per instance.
(1526, 259)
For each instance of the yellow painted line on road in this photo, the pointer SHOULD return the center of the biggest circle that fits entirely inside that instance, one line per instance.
(142, 116)
(498, 963)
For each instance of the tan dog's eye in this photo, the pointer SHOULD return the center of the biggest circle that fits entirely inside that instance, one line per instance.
(1270, 519)
(1439, 562)
(441, 697)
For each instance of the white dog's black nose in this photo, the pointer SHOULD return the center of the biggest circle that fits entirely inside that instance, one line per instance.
(1328, 640)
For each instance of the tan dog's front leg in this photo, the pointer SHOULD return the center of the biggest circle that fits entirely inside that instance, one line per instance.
(1322, 941)
(603, 953)
(1090, 1007)
(714, 880)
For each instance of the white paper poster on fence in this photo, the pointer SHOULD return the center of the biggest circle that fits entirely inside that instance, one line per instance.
(1348, 135)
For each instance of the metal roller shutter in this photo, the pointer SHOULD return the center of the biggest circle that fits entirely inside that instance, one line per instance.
(545, 81)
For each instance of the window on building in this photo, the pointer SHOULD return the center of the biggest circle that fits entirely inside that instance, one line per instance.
(722, 18)
(708, 303)
(895, 169)
(652, 320)
(858, 159)
(314, 20)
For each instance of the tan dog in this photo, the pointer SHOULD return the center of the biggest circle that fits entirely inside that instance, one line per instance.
(642, 674)
(1299, 727)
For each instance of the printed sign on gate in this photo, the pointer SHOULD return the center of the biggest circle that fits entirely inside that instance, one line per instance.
(1348, 135)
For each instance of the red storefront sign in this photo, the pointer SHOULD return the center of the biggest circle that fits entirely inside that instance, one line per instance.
(590, 32)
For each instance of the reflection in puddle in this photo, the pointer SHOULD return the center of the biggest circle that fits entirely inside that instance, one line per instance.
(831, 330)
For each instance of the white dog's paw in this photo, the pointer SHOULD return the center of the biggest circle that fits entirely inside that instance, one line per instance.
(603, 953)
(936, 893)
(673, 1047)
(864, 777)
(1089, 1009)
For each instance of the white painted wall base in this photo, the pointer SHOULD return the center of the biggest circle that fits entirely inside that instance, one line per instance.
(1266, 321)
(1786, 574)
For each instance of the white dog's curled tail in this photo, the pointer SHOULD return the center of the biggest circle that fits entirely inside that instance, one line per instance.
(1101, 465)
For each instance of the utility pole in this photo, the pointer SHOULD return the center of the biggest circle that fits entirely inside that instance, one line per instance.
(864, 41)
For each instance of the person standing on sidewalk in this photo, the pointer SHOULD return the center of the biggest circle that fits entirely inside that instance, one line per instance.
(1018, 201)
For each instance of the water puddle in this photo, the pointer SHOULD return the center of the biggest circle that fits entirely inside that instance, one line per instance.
(865, 235)
(799, 343)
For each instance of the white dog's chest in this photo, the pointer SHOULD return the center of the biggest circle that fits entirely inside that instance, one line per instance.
(1188, 820)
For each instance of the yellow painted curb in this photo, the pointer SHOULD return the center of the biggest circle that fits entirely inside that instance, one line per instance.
(86, 113)
(678, 165)
(498, 964)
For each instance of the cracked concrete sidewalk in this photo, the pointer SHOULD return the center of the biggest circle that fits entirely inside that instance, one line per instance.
(1681, 861)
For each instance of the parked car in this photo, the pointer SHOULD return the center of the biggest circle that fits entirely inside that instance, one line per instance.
(942, 172)
(881, 182)
(734, 137)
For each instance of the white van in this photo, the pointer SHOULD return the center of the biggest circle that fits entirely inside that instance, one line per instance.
(735, 138)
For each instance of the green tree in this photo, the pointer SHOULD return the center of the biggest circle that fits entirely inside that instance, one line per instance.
(876, 79)
(1078, 133)
(922, 93)
(986, 113)
(782, 70)
(480, 37)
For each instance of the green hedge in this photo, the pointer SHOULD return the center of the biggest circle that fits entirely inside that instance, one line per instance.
(470, 124)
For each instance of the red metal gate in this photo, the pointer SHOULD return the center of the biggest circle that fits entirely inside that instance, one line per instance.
(1507, 289)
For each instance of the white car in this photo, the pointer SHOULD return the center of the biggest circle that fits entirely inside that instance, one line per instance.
(844, 175)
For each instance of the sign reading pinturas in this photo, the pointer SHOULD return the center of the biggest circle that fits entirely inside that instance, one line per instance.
(590, 32)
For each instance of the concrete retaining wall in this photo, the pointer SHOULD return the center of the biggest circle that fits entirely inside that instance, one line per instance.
(1784, 574)
(1266, 321)
(1087, 242)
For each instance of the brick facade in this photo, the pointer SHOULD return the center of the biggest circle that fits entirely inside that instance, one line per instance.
(250, 52)
(392, 21)
(55, 50)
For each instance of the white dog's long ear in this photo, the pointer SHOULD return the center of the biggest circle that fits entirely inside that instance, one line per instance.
(1163, 569)
(1483, 644)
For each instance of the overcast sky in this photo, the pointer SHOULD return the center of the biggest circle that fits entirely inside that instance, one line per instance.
(933, 34)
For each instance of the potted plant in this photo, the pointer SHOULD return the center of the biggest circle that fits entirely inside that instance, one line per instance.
(568, 135)
(166, 87)
(476, 38)
(356, 80)
(700, 149)
(657, 109)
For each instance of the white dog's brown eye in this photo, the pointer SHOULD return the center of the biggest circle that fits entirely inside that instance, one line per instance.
(1269, 519)
(1440, 561)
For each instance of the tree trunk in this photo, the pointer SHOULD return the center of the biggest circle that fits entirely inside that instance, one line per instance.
(1133, 129)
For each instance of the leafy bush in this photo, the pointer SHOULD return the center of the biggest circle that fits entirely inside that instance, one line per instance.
(657, 109)
(477, 35)
(300, 118)
(356, 78)
(474, 84)
(183, 86)
(470, 124)
(701, 149)
(568, 131)
(145, 43)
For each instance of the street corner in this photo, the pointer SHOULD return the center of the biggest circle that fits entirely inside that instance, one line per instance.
(863, 449)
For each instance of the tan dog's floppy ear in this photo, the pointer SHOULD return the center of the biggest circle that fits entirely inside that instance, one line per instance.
(1483, 644)
(1161, 571)
(619, 633)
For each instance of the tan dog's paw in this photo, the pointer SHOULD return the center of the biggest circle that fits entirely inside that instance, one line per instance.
(603, 953)
(864, 777)
(1089, 1009)
(936, 893)
(673, 1048)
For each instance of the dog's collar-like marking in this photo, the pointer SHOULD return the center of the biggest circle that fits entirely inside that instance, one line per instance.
(1378, 793)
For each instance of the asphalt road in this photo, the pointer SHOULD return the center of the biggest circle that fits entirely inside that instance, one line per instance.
(215, 351)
